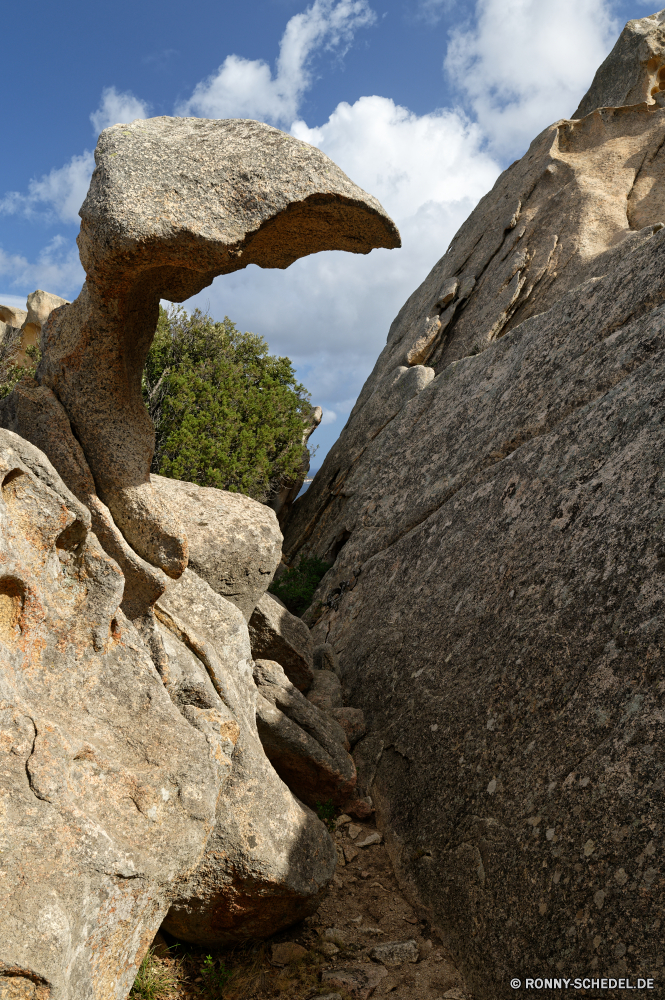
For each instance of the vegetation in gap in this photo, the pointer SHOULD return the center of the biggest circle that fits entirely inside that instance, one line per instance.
(226, 412)
(11, 373)
(296, 586)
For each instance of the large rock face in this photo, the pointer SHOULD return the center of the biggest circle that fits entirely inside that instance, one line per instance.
(495, 509)
(107, 793)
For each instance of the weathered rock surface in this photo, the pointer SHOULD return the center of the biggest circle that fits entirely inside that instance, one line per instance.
(395, 952)
(324, 657)
(326, 690)
(34, 412)
(107, 794)
(278, 635)
(234, 542)
(40, 306)
(498, 531)
(634, 71)
(269, 857)
(352, 721)
(305, 746)
(246, 193)
(12, 316)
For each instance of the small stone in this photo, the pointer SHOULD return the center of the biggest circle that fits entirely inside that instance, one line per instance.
(360, 808)
(425, 949)
(333, 934)
(286, 952)
(331, 996)
(328, 948)
(342, 820)
(373, 838)
(354, 830)
(350, 853)
(359, 981)
(395, 952)
(365, 874)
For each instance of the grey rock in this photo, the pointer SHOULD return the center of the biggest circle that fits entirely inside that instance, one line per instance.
(244, 193)
(325, 691)
(304, 745)
(357, 980)
(370, 840)
(505, 633)
(324, 657)
(352, 721)
(269, 858)
(234, 542)
(278, 635)
(395, 952)
(107, 793)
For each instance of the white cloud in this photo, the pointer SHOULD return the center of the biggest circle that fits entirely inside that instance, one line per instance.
(246, 88)
(523, 64)
(59, 194)
(57, 269)
(56, 195)
(330, 312)
(117, 107)
(329, 417)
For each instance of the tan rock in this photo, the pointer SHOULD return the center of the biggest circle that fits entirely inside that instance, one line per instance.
(107, 793)
(278, 635)
(393, 953)
(286, 952)
(269, 858)
(234, 542)
(34, 412)
(325, 691)
(304, 745)
(13, 317)
(352, 721)
(135, 252)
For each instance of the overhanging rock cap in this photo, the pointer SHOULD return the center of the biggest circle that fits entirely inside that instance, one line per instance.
(226, 192)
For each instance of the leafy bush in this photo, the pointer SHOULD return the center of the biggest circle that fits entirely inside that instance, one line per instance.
(296, 586)
(226, 412)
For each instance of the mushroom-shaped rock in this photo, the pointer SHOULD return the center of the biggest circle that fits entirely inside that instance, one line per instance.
(174, 202)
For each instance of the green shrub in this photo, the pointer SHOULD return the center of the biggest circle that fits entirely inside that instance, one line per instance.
(11, 373)
(226, 412)
(296, 586)
(326, 813)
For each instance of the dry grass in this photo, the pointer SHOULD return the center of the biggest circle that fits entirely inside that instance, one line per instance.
(242, 974)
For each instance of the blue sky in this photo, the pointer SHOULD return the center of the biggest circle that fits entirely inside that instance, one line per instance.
(421, 102)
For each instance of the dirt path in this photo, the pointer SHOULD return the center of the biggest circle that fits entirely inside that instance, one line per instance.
(331, 954)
